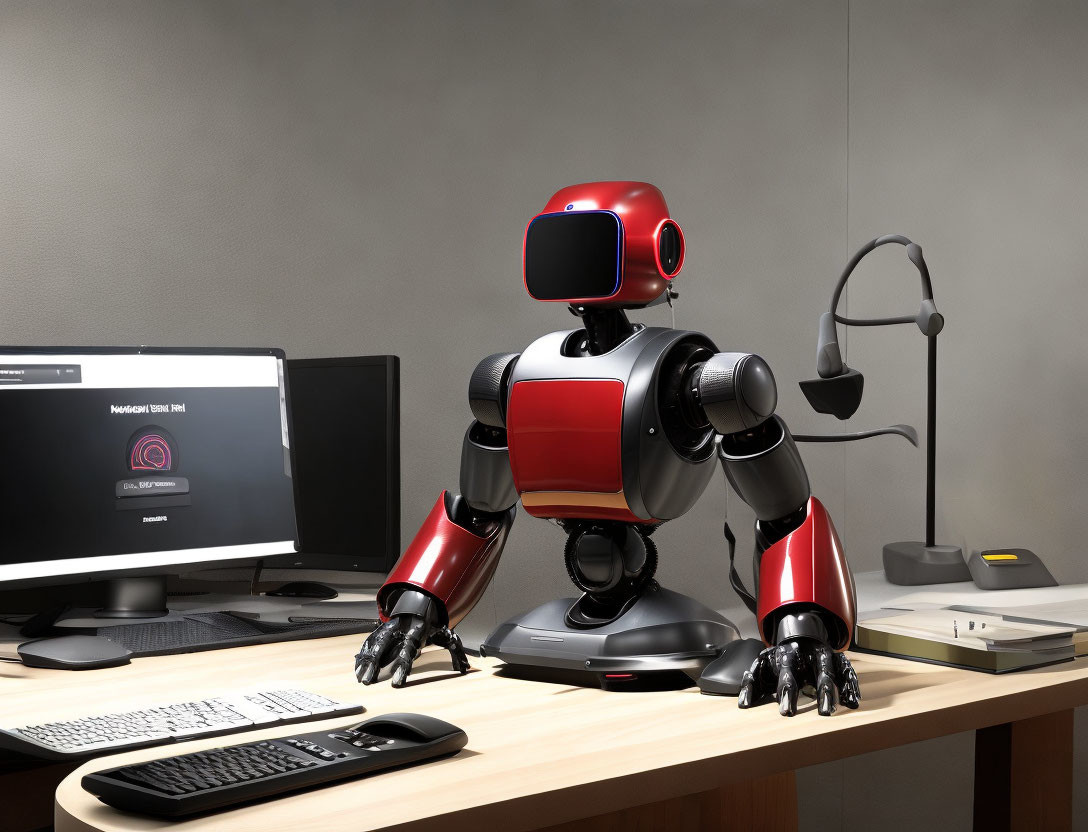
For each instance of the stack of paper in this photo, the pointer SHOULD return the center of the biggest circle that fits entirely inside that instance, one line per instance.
(1071, 613)
(978, 640)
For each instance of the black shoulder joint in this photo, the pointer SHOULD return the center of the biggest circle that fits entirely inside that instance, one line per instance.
(487, 388)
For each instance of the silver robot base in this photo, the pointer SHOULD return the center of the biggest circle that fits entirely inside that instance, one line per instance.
(663, 640)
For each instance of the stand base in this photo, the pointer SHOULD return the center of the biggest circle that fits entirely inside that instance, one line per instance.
(910, 563)
(143, 597)
(664, 639)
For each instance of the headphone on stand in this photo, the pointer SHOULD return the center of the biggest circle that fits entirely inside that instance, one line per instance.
(837, 389)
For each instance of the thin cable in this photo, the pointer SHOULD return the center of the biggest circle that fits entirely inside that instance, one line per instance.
(734, 577)
(906, 431)
(256, 579)
(846, 344)
(846, 334)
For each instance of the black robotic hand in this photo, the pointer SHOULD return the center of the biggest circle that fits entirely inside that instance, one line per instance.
(801, 660)
(398, 641)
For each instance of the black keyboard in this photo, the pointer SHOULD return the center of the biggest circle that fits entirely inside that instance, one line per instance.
(93, 736)
(223, 777)
(211, 630)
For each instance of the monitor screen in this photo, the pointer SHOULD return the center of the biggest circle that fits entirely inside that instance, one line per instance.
(128, 460)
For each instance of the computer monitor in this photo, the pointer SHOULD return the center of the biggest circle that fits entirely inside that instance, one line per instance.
(123, 462)
(345, 415)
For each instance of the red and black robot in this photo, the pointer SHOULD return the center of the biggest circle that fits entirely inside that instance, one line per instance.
(609, 430)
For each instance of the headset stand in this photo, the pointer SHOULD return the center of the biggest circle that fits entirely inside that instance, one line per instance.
(912, 562)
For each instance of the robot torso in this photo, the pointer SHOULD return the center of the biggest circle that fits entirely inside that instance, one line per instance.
(604, 436)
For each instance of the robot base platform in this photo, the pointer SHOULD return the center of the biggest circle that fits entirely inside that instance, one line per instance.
(662, 641)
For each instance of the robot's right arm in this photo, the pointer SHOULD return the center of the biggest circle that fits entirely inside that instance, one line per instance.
(451, 560)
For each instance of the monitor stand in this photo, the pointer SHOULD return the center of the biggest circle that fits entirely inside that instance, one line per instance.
(143, 597)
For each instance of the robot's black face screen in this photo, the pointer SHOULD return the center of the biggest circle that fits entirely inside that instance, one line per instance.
(573, 255)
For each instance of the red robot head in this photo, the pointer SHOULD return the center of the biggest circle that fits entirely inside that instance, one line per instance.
(602, 244)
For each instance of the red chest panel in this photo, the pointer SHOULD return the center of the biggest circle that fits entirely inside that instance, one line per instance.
(565, 435)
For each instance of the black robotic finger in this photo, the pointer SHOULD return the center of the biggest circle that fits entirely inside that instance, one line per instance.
(409, 649)
(849, 689)
(755, 687)
(824, 671)
(375, 652)
(789, 685)
(447, 638)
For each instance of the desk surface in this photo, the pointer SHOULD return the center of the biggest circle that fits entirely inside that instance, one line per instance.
(538, 754)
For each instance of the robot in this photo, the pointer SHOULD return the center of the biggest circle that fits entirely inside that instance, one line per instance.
(610, 430)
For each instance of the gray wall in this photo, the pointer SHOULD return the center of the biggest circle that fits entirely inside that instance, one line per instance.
(968, 132)
(344, 178)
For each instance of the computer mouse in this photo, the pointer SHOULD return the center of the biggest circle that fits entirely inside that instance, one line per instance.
(723, 675)
(404, 726)
(304, 589)
(73, 653)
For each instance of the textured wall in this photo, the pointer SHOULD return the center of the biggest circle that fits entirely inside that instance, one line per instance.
(341, 178)
(349, 178)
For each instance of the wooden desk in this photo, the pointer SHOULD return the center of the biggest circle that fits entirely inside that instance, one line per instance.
(550, 756)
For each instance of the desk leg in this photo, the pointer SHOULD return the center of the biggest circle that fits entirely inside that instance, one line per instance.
(768, 804)
(1024, 774)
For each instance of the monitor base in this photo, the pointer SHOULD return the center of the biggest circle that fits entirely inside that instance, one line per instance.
(142, 597)
(664, 639)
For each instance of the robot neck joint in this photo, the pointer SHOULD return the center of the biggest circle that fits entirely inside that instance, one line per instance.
(606, 329)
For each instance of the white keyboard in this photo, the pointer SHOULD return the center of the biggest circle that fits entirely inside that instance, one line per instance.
(160, 724)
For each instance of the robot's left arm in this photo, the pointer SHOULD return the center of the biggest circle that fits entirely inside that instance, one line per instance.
(806, 602)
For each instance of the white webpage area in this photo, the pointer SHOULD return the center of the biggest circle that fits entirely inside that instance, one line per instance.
(122, 371)
(141, 560)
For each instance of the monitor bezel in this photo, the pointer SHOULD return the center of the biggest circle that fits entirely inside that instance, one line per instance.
(179, 568)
